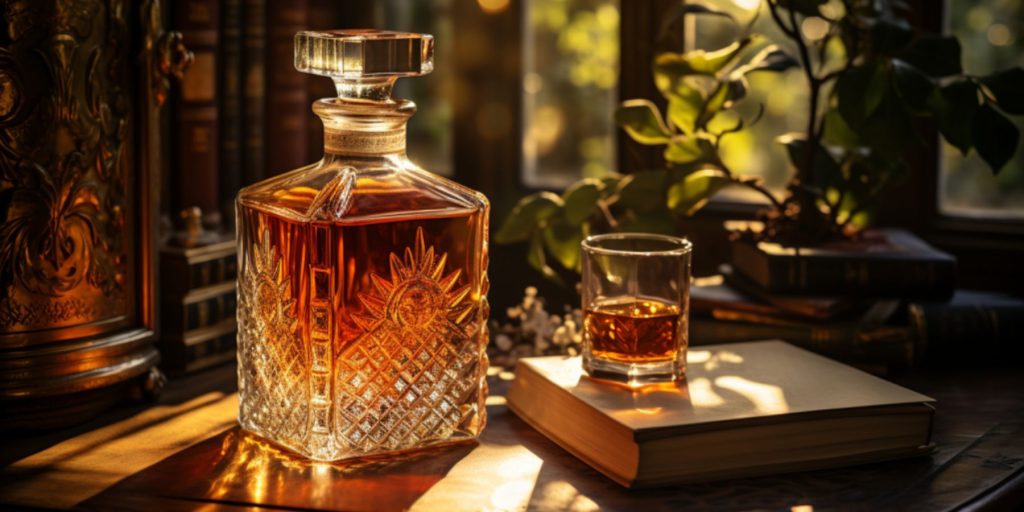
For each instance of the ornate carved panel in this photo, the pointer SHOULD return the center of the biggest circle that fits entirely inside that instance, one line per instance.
(67, 260)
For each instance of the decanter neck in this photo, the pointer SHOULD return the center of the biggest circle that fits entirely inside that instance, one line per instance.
(361, 122)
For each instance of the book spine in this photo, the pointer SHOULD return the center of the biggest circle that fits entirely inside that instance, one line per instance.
(962, 332)
(254, 41)
(230, 112)
(890, 346)
(180, 276)
(288, 107)
(910, 278)
(183, 315)
(195, 157)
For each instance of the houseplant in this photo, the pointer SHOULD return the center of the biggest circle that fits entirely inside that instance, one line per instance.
(862, 105)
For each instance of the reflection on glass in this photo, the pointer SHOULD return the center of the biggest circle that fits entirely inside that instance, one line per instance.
(430, 130)
(991, 38)
(570, 69)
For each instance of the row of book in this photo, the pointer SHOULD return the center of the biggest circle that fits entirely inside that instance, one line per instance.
(882, 312)
(197, 306)
(242, 111)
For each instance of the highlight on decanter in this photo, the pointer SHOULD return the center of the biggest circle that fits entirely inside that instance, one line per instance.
(362, 277)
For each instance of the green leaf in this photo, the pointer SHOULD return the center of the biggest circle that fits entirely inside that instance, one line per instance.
(563, 242)
(995, 137)
(937, 56)
(683, 9)
(659, 221)
(642, 121)
(581, 200)
(714, 103)
(669, 67)
(526, 216)
(826, 170)
(890, 128)
(913, 86)
(611, 185)
(683, 149)
(770, 58)
(954, 106)
(838, 133)
(536, 258)
(1008, 88)
(644, 191)
(693, 192)
(889, 35)
(684, 103)
(859, 92)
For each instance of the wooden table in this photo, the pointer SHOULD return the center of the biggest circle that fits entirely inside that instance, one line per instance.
(187, 453)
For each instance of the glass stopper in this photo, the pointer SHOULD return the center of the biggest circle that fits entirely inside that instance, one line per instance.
(354, 54)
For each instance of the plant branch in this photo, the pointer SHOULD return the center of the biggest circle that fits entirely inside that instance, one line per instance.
(753, 184)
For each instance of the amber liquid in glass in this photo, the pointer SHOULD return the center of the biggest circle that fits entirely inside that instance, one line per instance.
(634, 330)
(388, 309)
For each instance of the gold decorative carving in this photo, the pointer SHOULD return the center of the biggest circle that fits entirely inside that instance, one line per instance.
(65, 237)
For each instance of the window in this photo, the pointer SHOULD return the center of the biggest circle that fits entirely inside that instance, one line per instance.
(430, 130)
(570, 72)
(783, 95)
(991, 34)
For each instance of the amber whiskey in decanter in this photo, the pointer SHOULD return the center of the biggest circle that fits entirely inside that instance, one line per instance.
(362, 280)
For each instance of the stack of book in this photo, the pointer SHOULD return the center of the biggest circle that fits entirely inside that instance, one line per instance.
(197, 311)
(881, 306)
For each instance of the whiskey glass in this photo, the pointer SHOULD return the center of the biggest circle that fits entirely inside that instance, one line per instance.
(636, 290)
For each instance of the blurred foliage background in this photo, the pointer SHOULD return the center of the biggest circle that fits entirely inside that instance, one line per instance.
(991, 34)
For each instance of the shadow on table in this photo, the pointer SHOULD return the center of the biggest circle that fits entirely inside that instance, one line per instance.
(236, 468)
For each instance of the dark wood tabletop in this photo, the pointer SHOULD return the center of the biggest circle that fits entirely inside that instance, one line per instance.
(186, 452)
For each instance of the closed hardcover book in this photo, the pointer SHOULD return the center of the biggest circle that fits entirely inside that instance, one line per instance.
(883, 262)
(195, 158)
(877, 348)
(973, 325)
(744, 409)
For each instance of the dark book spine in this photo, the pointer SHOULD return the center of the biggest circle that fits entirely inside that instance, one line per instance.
(963, 332)
(288, 107)
(892, 347)
(254, 44)
(230, 112)
(861, 276)
(194, 181)
(195, 312)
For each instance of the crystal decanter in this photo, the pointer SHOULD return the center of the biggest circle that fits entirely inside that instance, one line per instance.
(362, 282)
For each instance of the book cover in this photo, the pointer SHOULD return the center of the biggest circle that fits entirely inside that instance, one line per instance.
(884, 262)
(195, 159)
(744, 409)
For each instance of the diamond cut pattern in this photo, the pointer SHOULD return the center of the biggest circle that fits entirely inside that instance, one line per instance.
(276, 400)
(407, 357)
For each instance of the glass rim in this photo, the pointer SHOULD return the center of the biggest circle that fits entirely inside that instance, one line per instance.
(682, 245)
